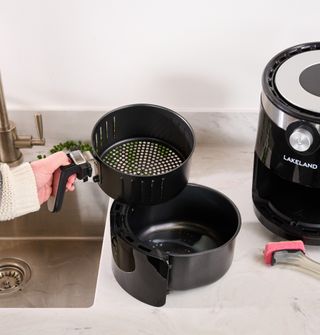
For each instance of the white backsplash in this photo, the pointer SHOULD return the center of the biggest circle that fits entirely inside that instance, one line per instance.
(216, 128)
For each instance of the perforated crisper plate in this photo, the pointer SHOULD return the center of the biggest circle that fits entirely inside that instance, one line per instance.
(142, 157)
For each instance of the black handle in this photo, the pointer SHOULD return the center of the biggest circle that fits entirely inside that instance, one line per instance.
(60, 179)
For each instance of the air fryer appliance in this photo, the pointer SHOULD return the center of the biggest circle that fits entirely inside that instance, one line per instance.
(165, 234)
(286, 179)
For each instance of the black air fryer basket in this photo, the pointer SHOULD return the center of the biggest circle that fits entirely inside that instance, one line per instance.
(180, 244)
(144, 153)
(141, 155)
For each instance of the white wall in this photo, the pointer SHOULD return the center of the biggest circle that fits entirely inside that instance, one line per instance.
(188, 55)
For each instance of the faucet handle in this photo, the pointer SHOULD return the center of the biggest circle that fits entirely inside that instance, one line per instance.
(39, 125)
(28, 141)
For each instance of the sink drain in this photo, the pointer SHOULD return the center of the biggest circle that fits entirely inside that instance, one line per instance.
(14, 274)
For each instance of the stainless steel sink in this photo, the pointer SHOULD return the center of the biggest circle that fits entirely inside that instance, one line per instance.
(59, 251)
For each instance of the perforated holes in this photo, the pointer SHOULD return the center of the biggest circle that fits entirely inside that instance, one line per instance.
(142, 158)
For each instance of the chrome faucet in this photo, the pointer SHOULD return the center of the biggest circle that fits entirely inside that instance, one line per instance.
(10, 141)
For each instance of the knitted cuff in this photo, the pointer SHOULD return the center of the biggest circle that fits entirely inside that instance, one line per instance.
(19, 192)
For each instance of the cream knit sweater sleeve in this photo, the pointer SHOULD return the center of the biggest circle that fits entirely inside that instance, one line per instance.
(18, 191)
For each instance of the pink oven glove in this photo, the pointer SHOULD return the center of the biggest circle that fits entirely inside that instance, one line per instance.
(43, 170)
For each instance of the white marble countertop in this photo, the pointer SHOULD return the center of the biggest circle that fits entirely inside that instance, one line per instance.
(251, 298)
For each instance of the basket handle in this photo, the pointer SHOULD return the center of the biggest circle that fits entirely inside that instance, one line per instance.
(79, 166)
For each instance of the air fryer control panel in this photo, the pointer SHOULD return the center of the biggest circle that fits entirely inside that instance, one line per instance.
(292, 153)
(301, 139)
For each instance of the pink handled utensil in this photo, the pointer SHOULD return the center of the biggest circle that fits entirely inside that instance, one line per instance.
(290, 253)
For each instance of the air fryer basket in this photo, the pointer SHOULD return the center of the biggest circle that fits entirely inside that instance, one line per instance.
(144, 153)
(141, 156)
(180, 244)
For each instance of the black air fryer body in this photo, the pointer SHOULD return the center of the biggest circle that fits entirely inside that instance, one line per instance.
(286, 180)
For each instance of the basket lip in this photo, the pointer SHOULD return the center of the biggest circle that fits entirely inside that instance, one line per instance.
(186, 160)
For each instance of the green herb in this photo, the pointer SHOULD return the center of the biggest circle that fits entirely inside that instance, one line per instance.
(68, 146)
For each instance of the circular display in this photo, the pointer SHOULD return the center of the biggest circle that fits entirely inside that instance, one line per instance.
(298, 80)
(310, 79)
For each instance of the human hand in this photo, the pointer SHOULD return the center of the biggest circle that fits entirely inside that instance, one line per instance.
(43, 170)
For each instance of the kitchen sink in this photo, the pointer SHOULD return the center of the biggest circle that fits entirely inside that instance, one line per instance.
(52, 259)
